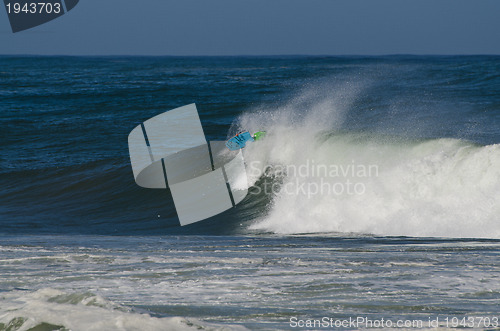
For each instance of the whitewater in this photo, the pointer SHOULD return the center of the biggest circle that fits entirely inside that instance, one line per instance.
(406, 186)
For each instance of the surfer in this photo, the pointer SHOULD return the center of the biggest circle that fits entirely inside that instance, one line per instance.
(239, 140)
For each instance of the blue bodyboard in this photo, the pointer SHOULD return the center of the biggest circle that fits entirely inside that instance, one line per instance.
(239, 141)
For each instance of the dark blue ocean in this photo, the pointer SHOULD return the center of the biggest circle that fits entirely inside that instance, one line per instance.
(83, 247)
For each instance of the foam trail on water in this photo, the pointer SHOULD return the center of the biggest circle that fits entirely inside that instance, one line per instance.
(439, 187)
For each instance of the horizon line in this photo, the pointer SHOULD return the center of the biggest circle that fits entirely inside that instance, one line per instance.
(254, 55)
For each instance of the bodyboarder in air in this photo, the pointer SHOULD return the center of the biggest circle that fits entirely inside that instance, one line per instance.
(240, 140)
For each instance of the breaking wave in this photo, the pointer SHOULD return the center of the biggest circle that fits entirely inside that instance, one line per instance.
(441, 187)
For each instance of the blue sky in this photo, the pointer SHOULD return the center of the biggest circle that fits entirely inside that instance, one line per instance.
(264, 27)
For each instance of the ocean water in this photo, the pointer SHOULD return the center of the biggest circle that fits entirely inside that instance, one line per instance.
(402, 224)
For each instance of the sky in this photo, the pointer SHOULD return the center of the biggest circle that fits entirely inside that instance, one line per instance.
(263, 27)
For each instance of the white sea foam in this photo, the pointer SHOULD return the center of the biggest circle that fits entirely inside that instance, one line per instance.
(438, 187)
(83, 311)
